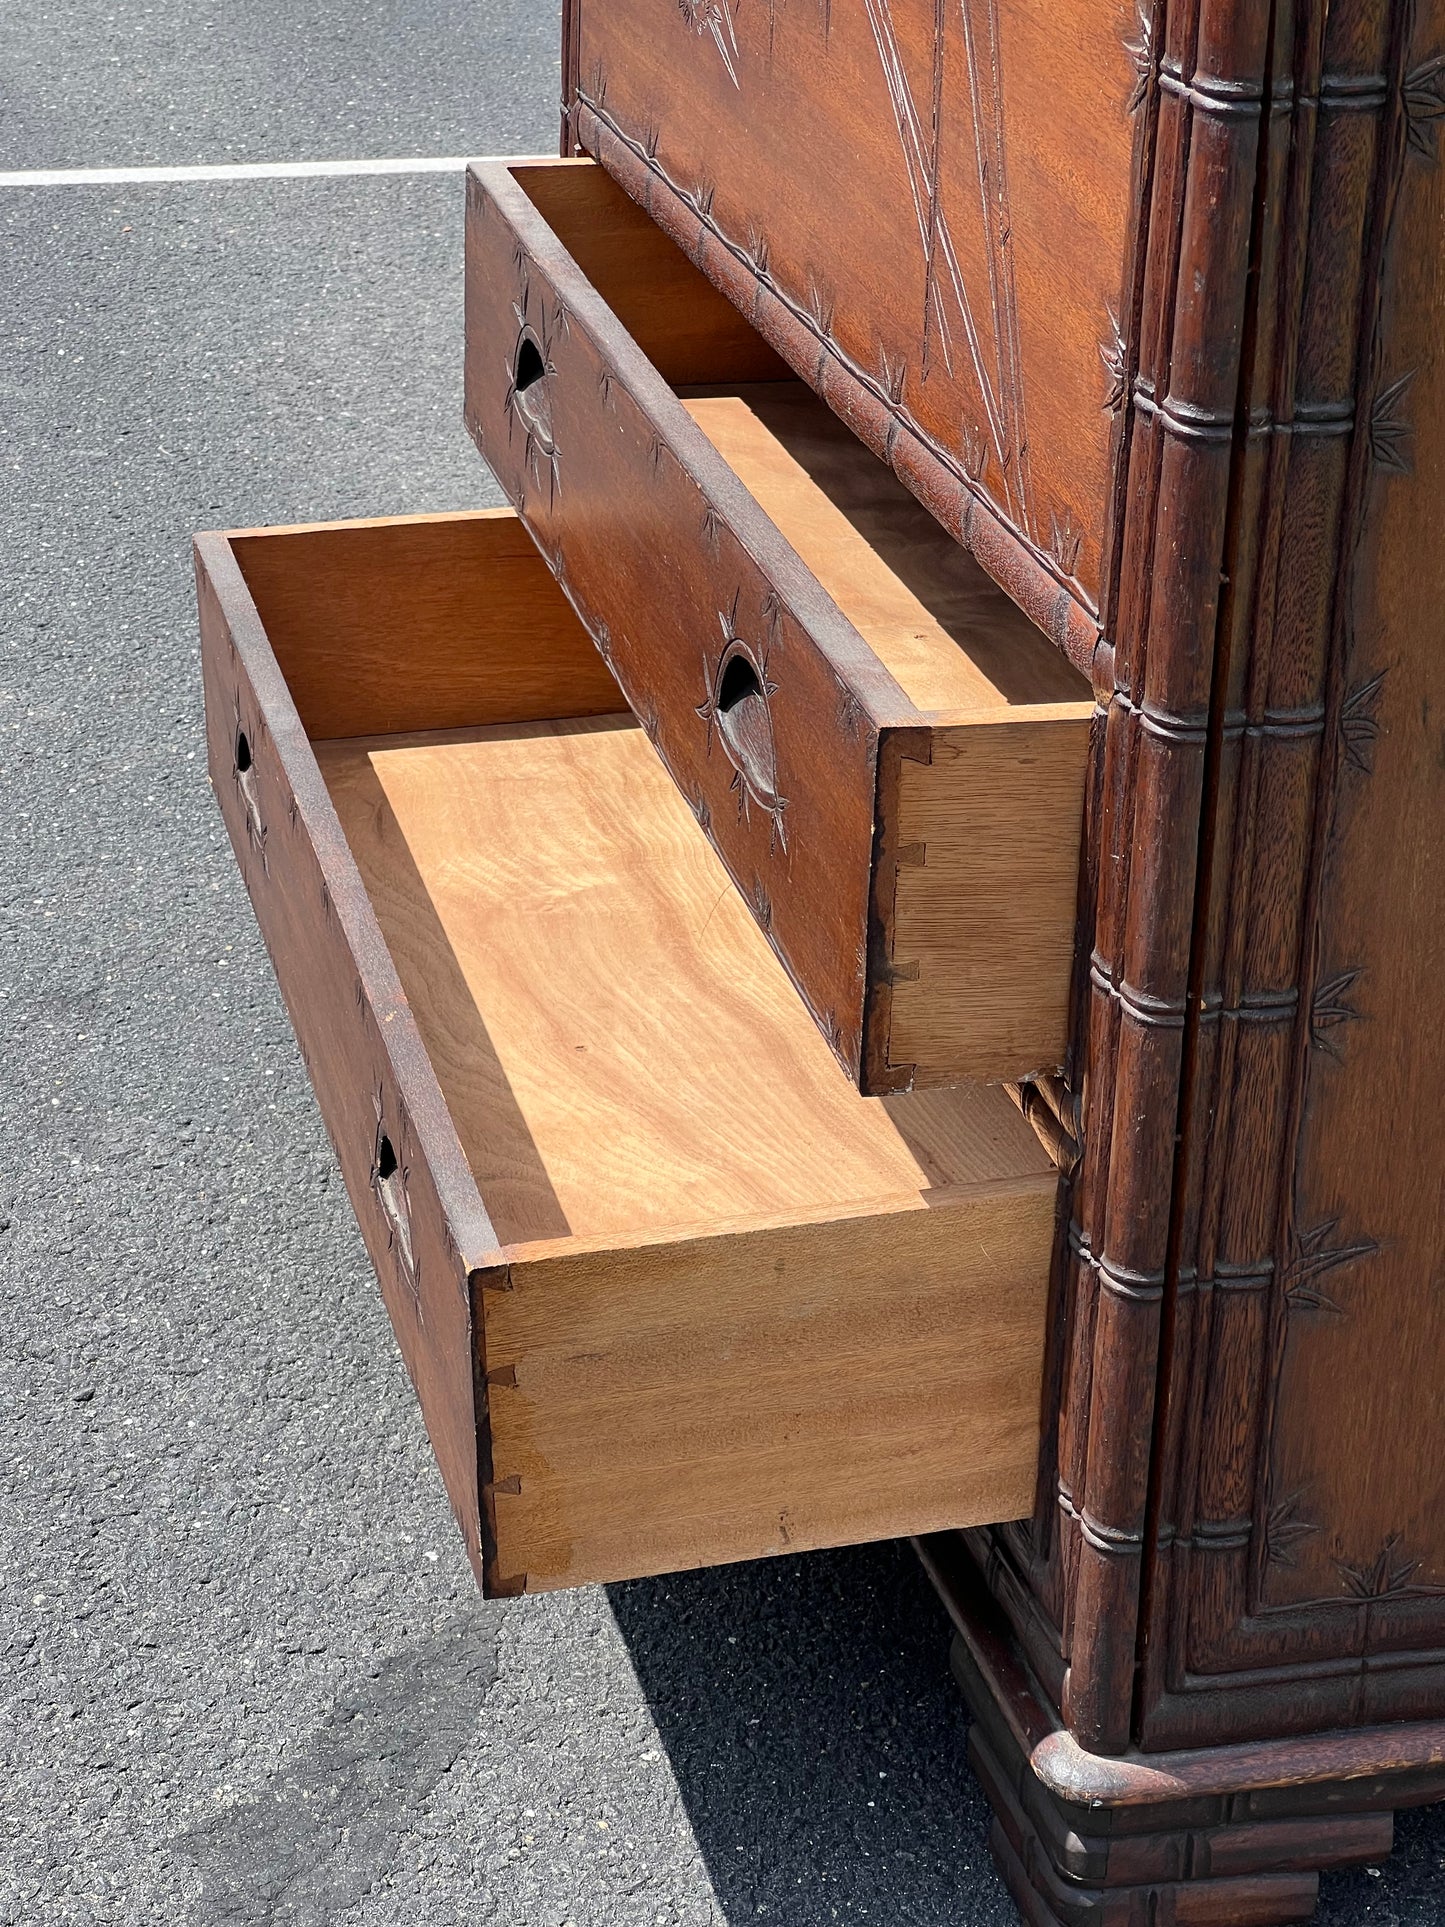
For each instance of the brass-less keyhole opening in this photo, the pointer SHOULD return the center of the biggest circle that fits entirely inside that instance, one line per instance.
(739, 682)
(530, 366)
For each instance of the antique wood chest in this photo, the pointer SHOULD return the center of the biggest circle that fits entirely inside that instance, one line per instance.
(996, 452)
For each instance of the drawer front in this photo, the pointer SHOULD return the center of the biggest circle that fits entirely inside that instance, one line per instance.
(759, 696)
(415, 1203)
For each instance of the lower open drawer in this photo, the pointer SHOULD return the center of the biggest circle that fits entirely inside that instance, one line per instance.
(671, 1293)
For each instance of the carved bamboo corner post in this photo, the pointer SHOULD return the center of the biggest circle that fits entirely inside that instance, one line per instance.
(1213, 1579)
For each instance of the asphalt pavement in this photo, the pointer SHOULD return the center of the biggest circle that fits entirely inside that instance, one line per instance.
(244, 1673)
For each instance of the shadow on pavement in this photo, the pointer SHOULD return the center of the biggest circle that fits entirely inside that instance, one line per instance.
(817, 1739)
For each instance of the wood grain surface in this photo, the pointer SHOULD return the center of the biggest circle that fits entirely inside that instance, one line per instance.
(718, 1331)
(788, 625)
(420, 622)
(926, 609)
(947, 262)
(616, 1043)
(669, 1291)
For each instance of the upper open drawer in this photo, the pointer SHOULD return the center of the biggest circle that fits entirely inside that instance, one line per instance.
(885, 753)
(669, 1291)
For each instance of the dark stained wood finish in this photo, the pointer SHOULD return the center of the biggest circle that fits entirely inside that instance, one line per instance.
(1242, 1278)
(670, 1292)
(1212, 1662)
(1222, 1836)
(894, 783)
(1237, 1555)
(948, 262)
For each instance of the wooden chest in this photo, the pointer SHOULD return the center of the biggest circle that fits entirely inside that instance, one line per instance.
(670, 1292)
(1142, 307)
(884, 752)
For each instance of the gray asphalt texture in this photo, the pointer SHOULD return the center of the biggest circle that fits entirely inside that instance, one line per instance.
(244, 1673)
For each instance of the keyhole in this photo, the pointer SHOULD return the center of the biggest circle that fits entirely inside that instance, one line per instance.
(745, 726)
(739, 682)
(530, 365)
(243, 752)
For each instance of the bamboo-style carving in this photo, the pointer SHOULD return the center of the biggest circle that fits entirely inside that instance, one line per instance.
(1386, 1576)
(1390, 430)
(1318, 1252)
(714, 19)
(1141, 52)
(1424, 96)
(1360, 722)
(1258, 1017)
(1285, 1528)
(1331, 1008)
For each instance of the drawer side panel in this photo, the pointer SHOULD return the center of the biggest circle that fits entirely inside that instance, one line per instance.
(757, 694)
(423, 1222)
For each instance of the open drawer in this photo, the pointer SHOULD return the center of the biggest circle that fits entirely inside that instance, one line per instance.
(886, 754)
(670, 1292)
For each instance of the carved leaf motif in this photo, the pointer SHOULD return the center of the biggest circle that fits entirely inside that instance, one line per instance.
(1114, 357)
(1315, 1255)
(1065, 539)
(1391, 432)
(1141, 53)
(821, 306)
(1387, 1573)
(1284, 1529)
(711, 522)
(714, 17)
(950, 320)
(1424, 98)
(1331, 1008)
(1359, 722)
(975, 452)
(891, 377)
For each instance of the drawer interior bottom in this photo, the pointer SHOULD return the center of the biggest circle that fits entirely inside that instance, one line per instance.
(616, 1044)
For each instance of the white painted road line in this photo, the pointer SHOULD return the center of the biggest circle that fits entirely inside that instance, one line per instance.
(237, 171)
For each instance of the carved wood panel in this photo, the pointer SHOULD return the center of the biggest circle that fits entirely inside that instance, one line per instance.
(954, 244)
